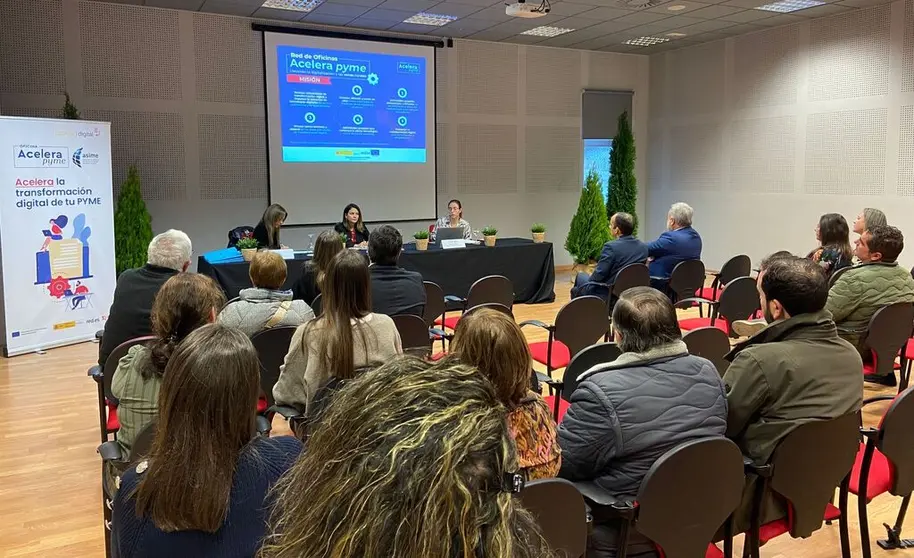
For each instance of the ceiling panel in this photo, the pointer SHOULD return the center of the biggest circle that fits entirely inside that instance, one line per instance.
(454, 9)
(324, 19)
(686, 8)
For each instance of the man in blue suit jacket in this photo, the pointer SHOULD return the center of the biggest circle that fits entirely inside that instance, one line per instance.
(626, 249)
(679, 243)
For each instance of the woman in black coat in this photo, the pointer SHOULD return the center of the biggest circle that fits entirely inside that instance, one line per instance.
(352, 226)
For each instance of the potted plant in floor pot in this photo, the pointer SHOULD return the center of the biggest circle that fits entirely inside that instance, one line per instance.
(421, 240)
(539, 232)
(248, 247)
(489, 234)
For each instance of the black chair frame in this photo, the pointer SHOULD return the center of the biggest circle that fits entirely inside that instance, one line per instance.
(734, 268)
(414, 335)
(103, 378)
(887, 336)
(710, 343)
(489, 289)
(686, 278)
(739, 301)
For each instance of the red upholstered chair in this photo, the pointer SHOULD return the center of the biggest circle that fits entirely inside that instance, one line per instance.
(579, 324)
(887, 337)
(738, 301)
(492, 288)
(735, 267)
(805, 469)
(271, 346)
(107, 403)
(560, 511)
(885, 463)
(711, 343)
(683, 500)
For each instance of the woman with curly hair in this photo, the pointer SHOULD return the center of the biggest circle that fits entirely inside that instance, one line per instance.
(411, 460)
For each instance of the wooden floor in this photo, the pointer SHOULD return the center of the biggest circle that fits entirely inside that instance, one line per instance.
(50, 487)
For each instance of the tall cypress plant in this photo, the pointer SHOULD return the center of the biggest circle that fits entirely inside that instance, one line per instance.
(132, 225)
(589, 229)
(623, 188)
(70, 112)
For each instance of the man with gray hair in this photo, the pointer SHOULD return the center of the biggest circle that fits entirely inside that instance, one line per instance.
(627, 413)
(129, 317)
(679, 243)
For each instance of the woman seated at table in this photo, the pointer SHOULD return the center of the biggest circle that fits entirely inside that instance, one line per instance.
(308, 286)
(352, 226)
(454, 219)
(266, 305)
(266, 233)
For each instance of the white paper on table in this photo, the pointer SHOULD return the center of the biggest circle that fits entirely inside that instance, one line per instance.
(449, 243)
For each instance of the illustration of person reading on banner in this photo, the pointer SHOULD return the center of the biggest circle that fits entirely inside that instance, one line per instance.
(55, 232)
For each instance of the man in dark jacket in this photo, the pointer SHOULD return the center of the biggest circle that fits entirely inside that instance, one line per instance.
(626, 414)
(168, 254)
(794, 371)
(679, 243)
(625, 250)
(394, 290)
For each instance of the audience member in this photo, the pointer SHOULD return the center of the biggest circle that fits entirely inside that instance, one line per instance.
(748, 328)
(186, 302)
(346, 336)
(795, 371)
(862, 290)
(679, 243)
(868, 219)
(203, 489)
(618, 253)
(834, 251)
(308, 286)
(625, 414)
(412, 460)
(265, 305)
(493, 343)
(266, 233)
(394, 290)
(168, 254)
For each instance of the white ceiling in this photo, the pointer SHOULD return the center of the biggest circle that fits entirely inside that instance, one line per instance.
(599, 24)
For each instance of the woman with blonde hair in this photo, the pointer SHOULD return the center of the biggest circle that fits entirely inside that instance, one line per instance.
(492, 342)
(267, 230)
(411, 460)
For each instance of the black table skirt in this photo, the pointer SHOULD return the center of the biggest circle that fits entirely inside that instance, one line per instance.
(529, 266)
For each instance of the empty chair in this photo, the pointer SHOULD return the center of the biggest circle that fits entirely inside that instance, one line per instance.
(885, 463)
(632, 275)
(271, 346)
(710, 343)
(735, 267)
(685, 497)
(560, 511)
(493, 288)
(687, 278)
(739, 301)
(579, 323)
(414, 335)
(887, 337)
(107, 403)
(805, 469)
(434, 307)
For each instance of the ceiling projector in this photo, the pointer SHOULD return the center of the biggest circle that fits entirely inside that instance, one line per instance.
(529, 11)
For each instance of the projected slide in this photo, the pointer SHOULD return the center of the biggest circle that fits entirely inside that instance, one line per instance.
(340, 106)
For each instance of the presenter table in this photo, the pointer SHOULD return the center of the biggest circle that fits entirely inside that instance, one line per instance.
(529, 266)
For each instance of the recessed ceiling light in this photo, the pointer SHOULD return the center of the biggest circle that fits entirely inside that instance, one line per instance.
(293, 5)
(645, 41)
(677, 8)
(787, 6)
(547, 31)
(423, 18)
(675, 35)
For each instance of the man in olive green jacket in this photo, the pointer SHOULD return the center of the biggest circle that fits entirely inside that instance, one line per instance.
(862, 290)
(795, 371)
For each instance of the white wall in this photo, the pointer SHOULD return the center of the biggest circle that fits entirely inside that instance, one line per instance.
(184, 93)
(765, 132)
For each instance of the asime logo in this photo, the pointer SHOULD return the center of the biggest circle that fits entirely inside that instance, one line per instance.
(81, 158)
(40, 156)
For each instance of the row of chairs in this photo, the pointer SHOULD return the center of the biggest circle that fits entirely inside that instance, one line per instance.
(693, 490)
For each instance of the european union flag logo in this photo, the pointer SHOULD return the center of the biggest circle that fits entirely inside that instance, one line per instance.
(375, 152)
(15, 334)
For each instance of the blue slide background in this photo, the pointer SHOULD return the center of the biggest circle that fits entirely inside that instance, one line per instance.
(342, 106)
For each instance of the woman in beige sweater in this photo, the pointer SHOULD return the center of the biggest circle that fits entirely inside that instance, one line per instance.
(347, 336)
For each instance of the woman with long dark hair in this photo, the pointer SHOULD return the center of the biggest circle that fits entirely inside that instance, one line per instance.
(202, 491)
(412, 460)
(185, 302)
(834, 251)
(345, 337)
(308, 286)
(267, 230)
(352, 227)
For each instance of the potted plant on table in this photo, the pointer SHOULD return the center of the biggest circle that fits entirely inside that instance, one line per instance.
(421, 240)
(489, 234)
(539, 232)
(247, 246)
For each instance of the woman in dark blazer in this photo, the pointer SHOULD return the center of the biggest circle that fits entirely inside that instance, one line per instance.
(267, 230)
(352, 226)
